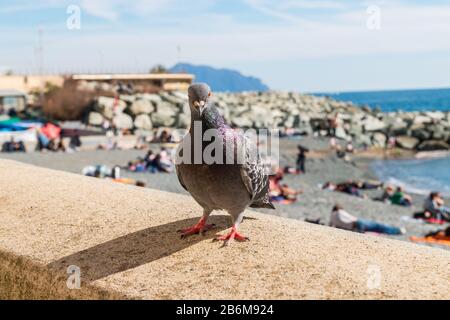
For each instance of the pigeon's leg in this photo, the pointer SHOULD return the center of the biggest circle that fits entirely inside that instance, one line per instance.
(200, 227)
(233, 234)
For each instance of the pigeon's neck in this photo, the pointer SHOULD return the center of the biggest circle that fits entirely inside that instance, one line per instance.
(210, 119)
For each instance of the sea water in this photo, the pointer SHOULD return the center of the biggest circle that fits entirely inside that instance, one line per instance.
(417, 176)
(396, 100)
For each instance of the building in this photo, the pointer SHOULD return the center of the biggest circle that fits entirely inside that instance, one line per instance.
(161, 81)
(12, 100)
(28, 83)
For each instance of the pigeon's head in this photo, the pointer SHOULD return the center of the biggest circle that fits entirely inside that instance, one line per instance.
(199, 94)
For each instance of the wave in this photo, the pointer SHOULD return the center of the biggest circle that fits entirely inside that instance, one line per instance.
(416, 176)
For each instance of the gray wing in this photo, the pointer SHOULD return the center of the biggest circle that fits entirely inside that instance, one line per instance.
(254, 176)
(177, 166)
(180, 179)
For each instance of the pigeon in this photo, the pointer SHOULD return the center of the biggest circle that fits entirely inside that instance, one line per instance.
(226, 183)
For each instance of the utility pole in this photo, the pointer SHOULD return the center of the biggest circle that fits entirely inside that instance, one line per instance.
(40, 63)
(179, 54)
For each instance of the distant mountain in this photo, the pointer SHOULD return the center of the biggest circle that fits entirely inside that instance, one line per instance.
(222, 80)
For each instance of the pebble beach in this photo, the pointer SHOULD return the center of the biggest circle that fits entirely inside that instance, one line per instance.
(314, 203)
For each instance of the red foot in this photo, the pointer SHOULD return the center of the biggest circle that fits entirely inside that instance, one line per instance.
(234, 234)
(200, 227)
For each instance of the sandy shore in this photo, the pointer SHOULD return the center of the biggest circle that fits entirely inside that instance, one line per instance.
(313, 204)
(124, 240)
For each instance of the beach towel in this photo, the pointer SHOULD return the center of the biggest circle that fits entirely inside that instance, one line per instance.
(282, 200)
(435, 221)
(440, 238)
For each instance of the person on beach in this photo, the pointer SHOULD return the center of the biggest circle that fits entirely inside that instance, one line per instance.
(13, 146)
(401, 198)
(434, 207)
(279, 192)
(388, 192)
(441, 237)
(333, 124)
(333, 143)
(341, 219)
(75, 141)
(348, 187)
(301, 158)
(164, 137)
(350, 148)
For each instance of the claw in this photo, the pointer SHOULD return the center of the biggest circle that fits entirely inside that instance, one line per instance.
(232, 235)
(201, 227)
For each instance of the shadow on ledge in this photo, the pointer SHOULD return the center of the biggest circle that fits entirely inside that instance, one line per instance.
(136, 249)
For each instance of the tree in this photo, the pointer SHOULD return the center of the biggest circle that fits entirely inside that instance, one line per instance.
(159, 69)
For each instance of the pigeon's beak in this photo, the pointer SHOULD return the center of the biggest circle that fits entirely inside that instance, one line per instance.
(200, 105)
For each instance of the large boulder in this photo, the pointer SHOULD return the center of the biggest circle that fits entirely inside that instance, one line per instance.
(435, 115)
(128, 98)
(183, 121)
(143, 122)
(341, 134)
(433, 145)
(109, 106)
(142, 106)
(398, 127)
(175, 100)
(153, 98)
(262, 117)
(123, 121)
(379, 140)
(95, 119)
(362, 140)
(373, 124)
(421, 134)
(242, 121)
(165, 115)
(422, 119)
(439, 132)
(406, 142)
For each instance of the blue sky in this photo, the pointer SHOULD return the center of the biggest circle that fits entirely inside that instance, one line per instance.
(314, 46)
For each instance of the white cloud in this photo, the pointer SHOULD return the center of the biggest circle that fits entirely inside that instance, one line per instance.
(304, 4)
(210, 37)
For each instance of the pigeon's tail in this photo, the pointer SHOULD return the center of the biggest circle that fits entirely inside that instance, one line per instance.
(266, 205)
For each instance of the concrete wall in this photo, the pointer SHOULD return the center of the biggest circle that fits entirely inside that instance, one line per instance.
(124, 239)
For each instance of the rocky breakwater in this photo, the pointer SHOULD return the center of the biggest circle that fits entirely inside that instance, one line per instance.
(421, 131)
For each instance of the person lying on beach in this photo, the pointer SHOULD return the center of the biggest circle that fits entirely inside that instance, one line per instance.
(132, 182)
(437, 237)
(101, 171)
(341, 219)
(164, 162)
(349, 187)
(387, 194)
(159, 162)
(434, 207)
(13, 146)
(281, 192)
(138, 165)
(401, 198)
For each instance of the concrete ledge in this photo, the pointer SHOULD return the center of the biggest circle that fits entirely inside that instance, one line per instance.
(124, 240)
